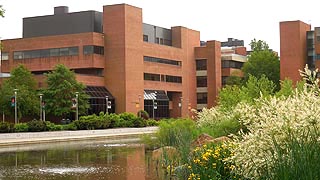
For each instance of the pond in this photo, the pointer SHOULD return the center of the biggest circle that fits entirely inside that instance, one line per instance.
(77, 160)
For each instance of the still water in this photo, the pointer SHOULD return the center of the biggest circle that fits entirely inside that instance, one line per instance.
(77, 160)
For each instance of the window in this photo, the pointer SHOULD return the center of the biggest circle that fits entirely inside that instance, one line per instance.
(232, 64)
(167, 42)
(90, 49)
(35, 54)
(202, 98)
(4, 56)
(201, 81)
(18, 55)
(63, 52)
(161, 60)
(224, 80)
(73, 51)
(173, 79)
(45, 53)
(26, 54)
(157, 40)
(151, 77)
(201, 64)
(145, 38)
(318, 56)
(54, 52)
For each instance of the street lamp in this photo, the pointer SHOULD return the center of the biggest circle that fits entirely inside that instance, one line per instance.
(107, 99)
(40, 106)
(15, 106)
(180, 105)
(77, 105)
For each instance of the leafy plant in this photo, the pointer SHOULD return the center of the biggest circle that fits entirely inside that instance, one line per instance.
(36, 126)
(21, 127)
(6, 127)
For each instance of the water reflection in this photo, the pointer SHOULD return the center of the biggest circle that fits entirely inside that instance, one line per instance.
(87, 160)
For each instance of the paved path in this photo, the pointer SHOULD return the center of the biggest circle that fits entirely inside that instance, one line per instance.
(8, 139)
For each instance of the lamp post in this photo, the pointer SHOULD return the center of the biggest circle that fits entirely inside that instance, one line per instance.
(77, 105)
(107, 99)
(40, 106)
(139, 96)
(15, 106)
(180, 105)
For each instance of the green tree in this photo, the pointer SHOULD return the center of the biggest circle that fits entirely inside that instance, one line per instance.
(27, 98)
(261, 62)
(1, 15)
(62, 88)
(230, 96)
(234, 80)
(258, 45)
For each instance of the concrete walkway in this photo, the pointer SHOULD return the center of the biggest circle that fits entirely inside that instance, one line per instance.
(9, 139)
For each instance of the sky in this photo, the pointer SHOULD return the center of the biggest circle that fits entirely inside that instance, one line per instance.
(215, 19)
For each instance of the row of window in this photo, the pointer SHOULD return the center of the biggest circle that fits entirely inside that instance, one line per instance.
(53, 52)
(232, 64)
(201, 64)
(163, 78)
(161, 60)
(161, 41)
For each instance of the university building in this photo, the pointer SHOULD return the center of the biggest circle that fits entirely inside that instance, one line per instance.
(299, 45)
(166, 72)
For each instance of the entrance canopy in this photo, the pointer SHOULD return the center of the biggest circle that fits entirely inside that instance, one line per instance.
(155, 95)
(98, 92)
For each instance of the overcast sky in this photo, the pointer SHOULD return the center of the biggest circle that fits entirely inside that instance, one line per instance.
(215, 19)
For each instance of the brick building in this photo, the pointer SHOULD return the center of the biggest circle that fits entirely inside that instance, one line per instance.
(299, 45)
(115, 54)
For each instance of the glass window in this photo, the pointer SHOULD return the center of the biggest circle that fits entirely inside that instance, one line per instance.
(201, 64)
(173, 79)
(201, 81)
(202, 98)
(45, 53)
(87, 49)
(318, 56)
(64, 51)
(98, 50)
(145, 38)
(4, 56)
(54, 52)
(18, 55)
(35, 53)
(161, 60)
(151, 77)
(73, 51)
(27, 54)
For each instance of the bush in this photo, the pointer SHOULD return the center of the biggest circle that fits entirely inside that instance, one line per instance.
(53, 127)
(143, 114)
(70, 126)
(152, 122)
(36, 126)
(6, 127)
(92, 122)
(21, 127)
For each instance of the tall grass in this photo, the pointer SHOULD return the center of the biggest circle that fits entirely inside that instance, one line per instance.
(298, 159)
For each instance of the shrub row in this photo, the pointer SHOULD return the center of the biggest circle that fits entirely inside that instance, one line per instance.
(101, 121)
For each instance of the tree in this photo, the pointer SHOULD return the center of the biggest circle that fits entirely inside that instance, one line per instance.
(27, 99)
(230, 96)
(62, 88)
(258, 45)
(1, 15)
(262, 61)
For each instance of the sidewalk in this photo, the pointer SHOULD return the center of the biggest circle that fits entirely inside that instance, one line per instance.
(8, 139)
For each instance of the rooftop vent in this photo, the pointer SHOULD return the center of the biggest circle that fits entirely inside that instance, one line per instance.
(61, 10)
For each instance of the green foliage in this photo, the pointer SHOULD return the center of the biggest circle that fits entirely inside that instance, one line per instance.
(234, 81)
(53, 127)
(92, 122)
(262, 61)
(36, 126)
(302, 161)
(6, 127)
(179, 134)
(21, 127)
(2, 11)
(230, 96)
(27, 98)
(62, 88)
(286, 88)
(70, 126)
(143, 114)
(258, 45)
(209, 162)
(152, 122)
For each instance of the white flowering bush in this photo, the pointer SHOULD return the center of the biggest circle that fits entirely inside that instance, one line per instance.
(273, 120)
